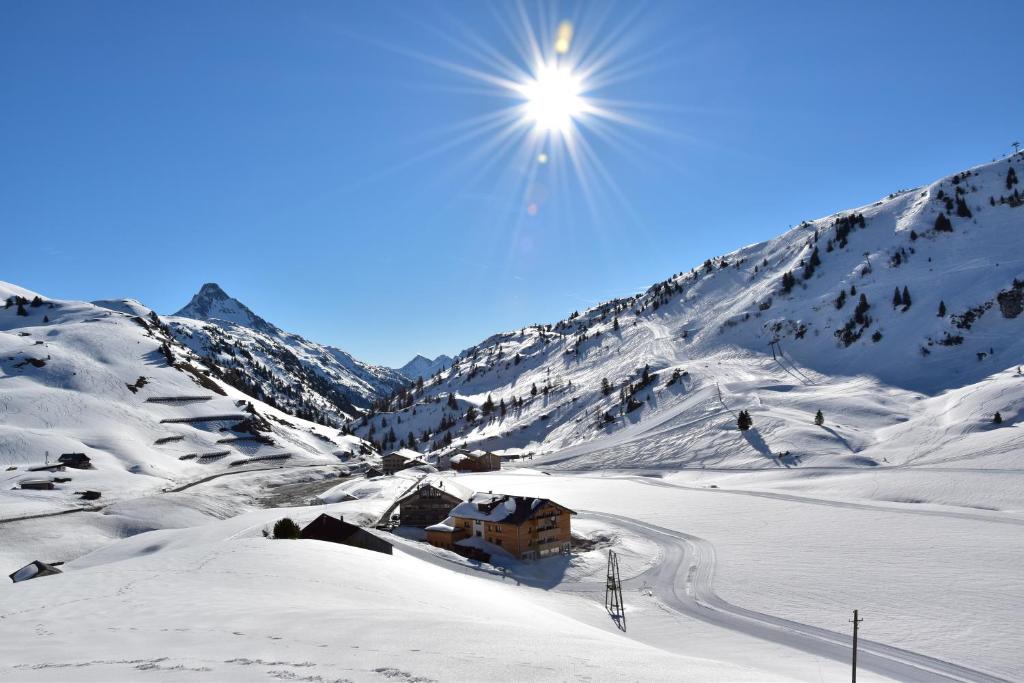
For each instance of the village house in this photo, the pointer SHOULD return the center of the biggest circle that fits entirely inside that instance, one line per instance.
(475, 461)
(401, 459)
(431, 502)
(78, 461)
(337, 530)
(37, 484)
(526, 528)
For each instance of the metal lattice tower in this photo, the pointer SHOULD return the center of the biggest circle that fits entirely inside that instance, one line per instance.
(613, 592)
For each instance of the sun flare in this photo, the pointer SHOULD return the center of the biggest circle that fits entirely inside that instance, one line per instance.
(553, 98)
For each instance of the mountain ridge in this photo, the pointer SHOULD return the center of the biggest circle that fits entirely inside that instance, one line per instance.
(914, 296)
(422, 367)
(319, 382)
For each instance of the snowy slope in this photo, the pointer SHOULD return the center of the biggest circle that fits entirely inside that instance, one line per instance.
(77, 377)
(222, 603)
(778, 329)
(307, 379)
(421, 366)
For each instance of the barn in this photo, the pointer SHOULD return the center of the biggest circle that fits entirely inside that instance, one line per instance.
(431, 502)
(337, 530)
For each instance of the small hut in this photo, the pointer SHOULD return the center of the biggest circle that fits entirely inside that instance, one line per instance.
(327, 528)
(34, 570)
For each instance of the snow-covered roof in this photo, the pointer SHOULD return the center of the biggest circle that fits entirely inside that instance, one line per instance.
(446, 484)
(448, 525)
(498, 507)
(408, 454)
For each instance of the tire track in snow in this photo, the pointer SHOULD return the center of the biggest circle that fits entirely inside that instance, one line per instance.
(683, 581)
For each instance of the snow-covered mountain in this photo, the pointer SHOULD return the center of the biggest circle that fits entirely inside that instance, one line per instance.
(110, 381)
(421, 366)
(900, 320)
(213, 304)
(314, 381)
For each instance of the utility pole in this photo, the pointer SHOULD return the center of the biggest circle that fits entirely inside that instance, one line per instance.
(856, 622)
(613, 592)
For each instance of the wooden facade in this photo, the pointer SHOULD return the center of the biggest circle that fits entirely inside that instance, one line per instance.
(477, 461)
(327, 528)
(528, 528)
(398, 460)
(429, 504)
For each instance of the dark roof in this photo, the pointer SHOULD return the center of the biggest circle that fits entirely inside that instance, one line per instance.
(327, 528)
(525, 506)
(72, 456)
(455, 491)
(33, 570)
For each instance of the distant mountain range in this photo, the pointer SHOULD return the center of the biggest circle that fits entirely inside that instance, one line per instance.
(110, 380)
(901, 320)
(421, 366)
(318, 382)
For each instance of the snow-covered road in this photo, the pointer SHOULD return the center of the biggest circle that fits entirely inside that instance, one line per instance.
(683, 581)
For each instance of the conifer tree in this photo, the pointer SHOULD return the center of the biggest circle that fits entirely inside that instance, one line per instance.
(743, 421)
(942, 309)
(942, 224)
(533, 389)
(819, 419)
(21, 309)
(997, 419)
(962, 209)
(452, 403)
(859, 313)
(788, 281)
(906, 298)
(897, 300)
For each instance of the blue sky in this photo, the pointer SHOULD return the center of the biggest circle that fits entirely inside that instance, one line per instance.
(310, 157)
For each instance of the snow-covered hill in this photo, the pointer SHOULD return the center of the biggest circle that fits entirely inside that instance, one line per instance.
(421, 366)
(314, 381)
(110, 381)
(901, 321)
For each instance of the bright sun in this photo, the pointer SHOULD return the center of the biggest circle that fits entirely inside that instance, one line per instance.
(553, 98)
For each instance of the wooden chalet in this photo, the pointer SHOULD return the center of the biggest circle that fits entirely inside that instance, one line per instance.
(401, 459)
(526, 528)
(37, 484)
(78, 461)
(431, 502)
(475, 461)
(337, 530)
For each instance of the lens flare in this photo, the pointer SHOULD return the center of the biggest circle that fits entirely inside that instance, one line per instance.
(553, 98)
(564, 39)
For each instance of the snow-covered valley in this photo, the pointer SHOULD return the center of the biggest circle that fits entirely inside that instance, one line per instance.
(875, 476)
